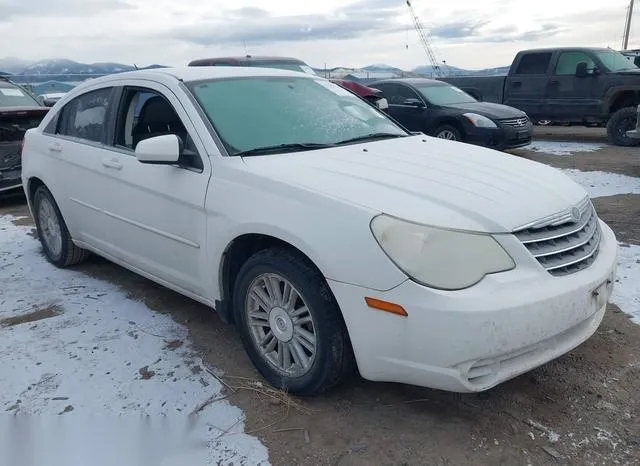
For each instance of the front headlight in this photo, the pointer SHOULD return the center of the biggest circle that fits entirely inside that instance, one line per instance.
(438, 258)
(480, 121)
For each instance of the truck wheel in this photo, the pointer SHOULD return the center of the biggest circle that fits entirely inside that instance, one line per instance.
(620, 122)
(448, 132)
(290, 323)
(53, 233)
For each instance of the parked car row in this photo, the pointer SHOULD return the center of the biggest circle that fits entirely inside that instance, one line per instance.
(332, 236)
(420, 105)
(594, 86)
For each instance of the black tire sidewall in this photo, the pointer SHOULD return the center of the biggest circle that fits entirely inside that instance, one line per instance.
(43, 193)
(322, 307)
(613, 123)
(453, 129)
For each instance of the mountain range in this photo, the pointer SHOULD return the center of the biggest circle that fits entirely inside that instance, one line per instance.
(62, 66)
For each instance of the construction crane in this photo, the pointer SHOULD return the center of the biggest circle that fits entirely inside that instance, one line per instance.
(424, 40)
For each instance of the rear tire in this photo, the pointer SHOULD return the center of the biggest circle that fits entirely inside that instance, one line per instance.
(298, 342)
(620, 122)
(53, 233)
(448, 132)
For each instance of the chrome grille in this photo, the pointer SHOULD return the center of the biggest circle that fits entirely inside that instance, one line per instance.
(565, 243)
(515, 122)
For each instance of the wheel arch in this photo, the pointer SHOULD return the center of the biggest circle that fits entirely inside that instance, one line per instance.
(621, 97)
(238, 251)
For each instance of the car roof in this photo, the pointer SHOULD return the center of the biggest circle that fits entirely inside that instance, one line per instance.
(565, 49)
(247, 59)
(410, 81)
(195, 73)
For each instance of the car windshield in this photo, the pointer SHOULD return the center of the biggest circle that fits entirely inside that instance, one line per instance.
(285, 66)
(13, 96)
(444, 94)
(615, 61)
(267, 111)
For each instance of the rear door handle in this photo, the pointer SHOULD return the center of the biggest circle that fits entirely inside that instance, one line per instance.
(516, 84)
(555, 83)
(55, 147)
(112, 164)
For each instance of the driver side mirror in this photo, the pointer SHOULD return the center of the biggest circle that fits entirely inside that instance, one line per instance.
(581, 70)
(414, 103)
(159, 150)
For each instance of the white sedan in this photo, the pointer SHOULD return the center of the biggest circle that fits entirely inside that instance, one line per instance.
(333, 238)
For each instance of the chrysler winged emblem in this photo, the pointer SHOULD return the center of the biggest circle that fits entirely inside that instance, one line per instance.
(575, 214)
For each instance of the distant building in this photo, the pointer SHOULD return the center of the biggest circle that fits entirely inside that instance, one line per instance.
(50, 87)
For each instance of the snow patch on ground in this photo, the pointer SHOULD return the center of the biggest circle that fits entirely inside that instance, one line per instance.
(563, 148)
(601, 184)
(79, 347)
(626, 292)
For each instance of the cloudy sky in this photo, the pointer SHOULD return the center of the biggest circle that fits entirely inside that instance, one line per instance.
(464, 33)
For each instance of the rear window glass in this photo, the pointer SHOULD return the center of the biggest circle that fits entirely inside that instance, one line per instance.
(534, 63)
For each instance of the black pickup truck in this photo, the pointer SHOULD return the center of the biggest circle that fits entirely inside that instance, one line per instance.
(587, 85)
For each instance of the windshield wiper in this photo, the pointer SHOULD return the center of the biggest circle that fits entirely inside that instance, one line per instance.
(371, 137)
(283, 148)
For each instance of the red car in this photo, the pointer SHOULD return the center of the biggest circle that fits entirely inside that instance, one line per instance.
(373, 96)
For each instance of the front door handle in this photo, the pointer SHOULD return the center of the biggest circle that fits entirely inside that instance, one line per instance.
(555, 83)
(112, 164)
(55, 147)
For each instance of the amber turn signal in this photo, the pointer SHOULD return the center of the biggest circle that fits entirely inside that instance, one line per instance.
(386, 306)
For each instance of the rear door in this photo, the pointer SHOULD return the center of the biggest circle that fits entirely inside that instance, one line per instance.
(526, 85)
(73, 143)
(411, 117)
(569, 96)
(155, 213)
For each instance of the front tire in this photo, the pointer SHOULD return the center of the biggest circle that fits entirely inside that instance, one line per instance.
(53, 233)
(290, 324)
(448, 132)
(620, 122)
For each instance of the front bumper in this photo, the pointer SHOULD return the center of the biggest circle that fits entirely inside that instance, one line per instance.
(474, 339)
(500, 138)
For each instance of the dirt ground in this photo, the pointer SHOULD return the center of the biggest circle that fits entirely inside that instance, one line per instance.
(583, 408)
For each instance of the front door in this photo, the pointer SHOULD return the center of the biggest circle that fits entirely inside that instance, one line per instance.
(411, 116)
(156, 216)
(569, 95)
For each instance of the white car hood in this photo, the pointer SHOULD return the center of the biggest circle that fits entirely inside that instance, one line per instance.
(430, 181)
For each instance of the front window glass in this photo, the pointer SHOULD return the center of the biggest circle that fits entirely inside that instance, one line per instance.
(614, 61)
(445, 95)
(257, 112)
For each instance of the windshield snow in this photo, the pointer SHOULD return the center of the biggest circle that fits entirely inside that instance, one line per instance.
(250, 113)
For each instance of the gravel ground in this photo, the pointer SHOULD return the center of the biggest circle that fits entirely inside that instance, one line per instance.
(583, 408)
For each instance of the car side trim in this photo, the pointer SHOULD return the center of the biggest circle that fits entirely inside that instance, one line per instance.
(171, 236)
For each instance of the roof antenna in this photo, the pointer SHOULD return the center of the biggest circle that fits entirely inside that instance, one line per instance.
(136, 67)
(246, 51)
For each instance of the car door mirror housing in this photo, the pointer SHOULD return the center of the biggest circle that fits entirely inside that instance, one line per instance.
(581, 70)
(165, 149)
(414, 103)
